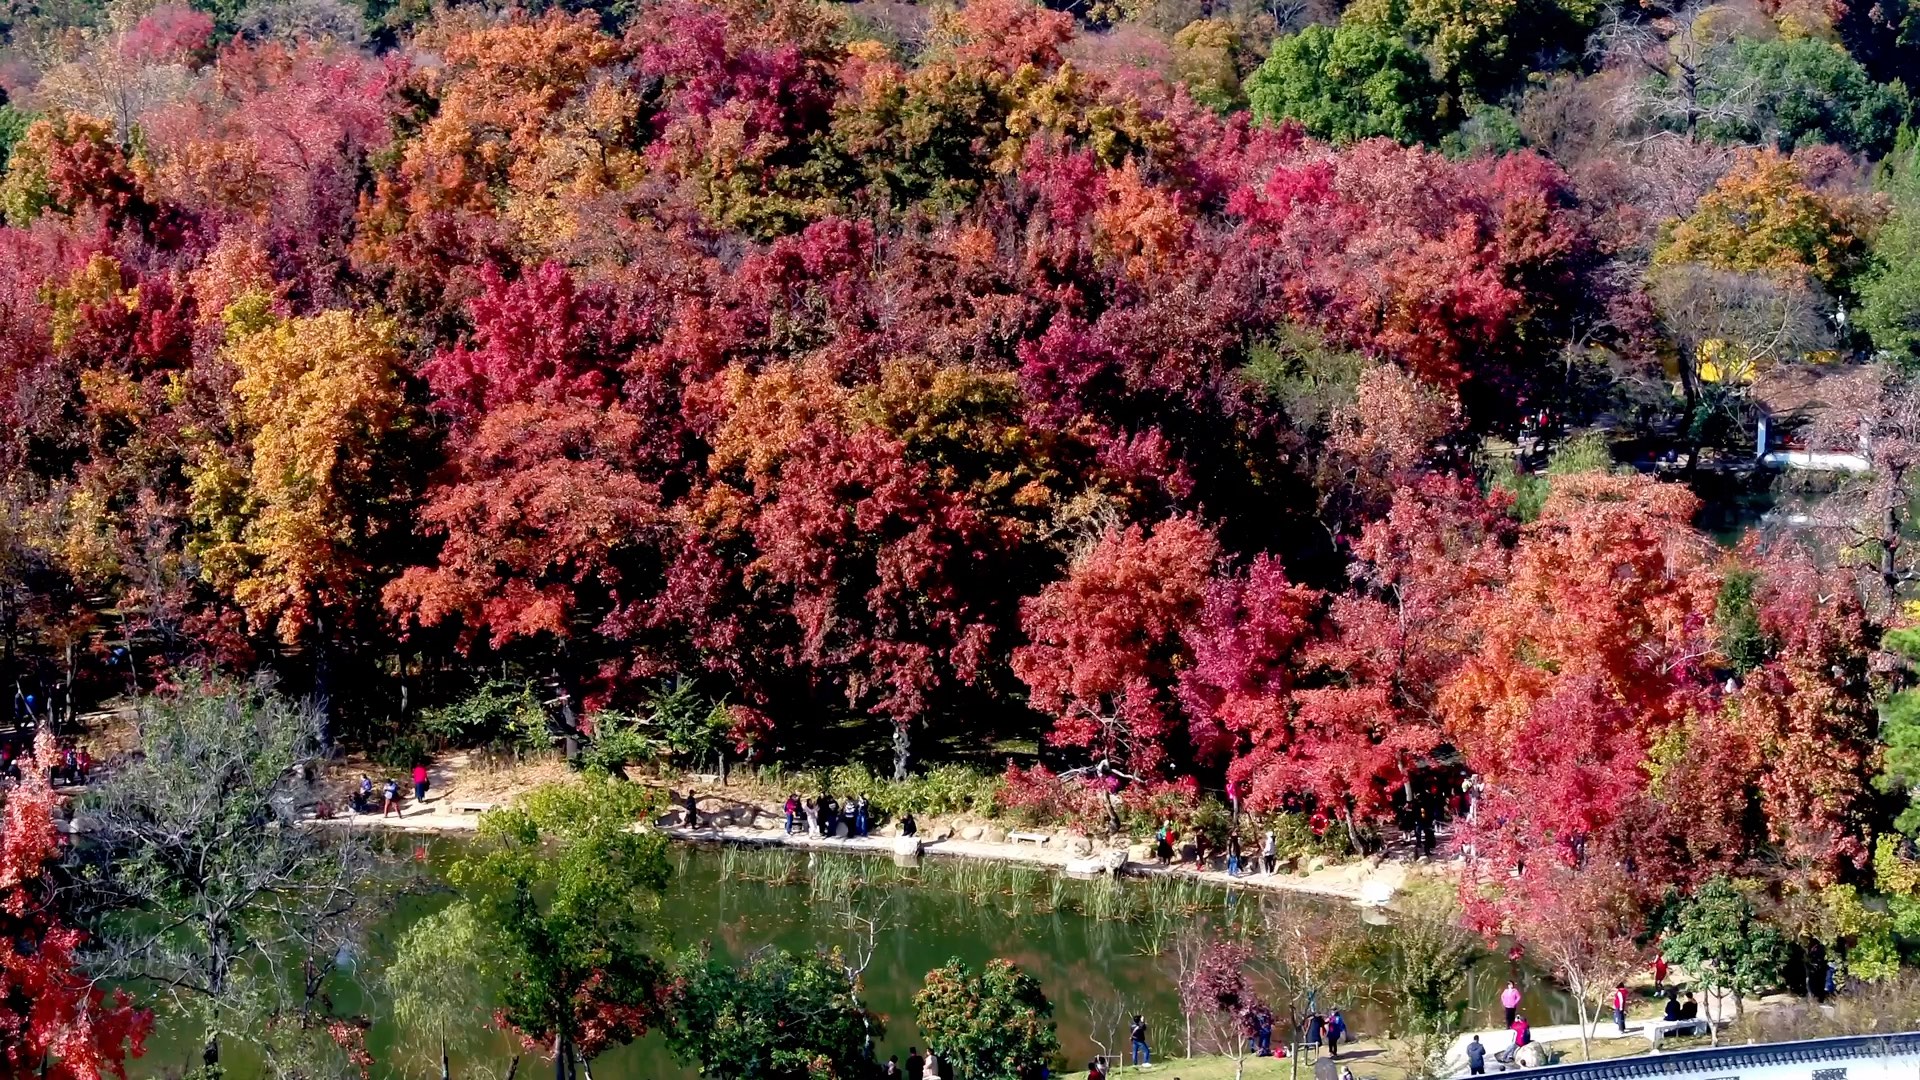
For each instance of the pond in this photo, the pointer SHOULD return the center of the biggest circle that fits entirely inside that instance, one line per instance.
(1097, 948)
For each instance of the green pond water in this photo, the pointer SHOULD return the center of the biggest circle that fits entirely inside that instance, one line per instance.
(1095, 946)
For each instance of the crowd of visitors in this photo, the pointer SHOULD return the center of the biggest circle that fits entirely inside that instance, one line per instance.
(1319, 1033)
(72, 765)
(826, 816)
(387, 795)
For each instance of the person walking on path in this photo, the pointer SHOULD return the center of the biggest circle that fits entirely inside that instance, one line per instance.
(390, 800)
(813, 817)
(860, 816)
(1233, 854)
(1315, 1027)
(1142, 1053)
(1269, 852)
(1620, 1007)
(419, 783)
(1510, 1001)
(693, 810)
(793, 808)
(1659, 970)
(1476, 1058)
(1336, 1030)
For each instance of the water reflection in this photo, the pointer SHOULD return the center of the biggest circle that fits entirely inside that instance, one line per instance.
(1100, 948)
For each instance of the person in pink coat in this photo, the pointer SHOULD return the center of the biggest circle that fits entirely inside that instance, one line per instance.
(1510, 1001)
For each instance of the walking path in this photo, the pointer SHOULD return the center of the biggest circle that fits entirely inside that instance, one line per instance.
(1500, 1040)
(1371, 882)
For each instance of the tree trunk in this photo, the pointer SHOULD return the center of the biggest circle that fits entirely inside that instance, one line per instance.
(513, 1067)
(323, 681)
(1889, 542)
(902, 748)
(446, 1073)
(566, 715)
(1580, 1009)
(66, 693)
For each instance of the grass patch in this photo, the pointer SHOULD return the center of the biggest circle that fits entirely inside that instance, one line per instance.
(1369, 1059)
(1567, 1051)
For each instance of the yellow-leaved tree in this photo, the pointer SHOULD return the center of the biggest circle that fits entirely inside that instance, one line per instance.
(290, 505)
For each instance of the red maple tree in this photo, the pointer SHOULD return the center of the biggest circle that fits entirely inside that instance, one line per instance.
(54, 1022)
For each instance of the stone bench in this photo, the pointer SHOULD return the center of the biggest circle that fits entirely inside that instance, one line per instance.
(471, 807)
(1028, 837)
(1657, 1030)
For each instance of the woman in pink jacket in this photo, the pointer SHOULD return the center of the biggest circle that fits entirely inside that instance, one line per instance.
(1510, 1001)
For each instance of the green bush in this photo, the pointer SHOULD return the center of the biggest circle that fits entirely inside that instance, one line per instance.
(1348, 82)
(404, 752)
(620, 740)
(1293, 836)
(679, 725)
(941, 791)
(501, 713)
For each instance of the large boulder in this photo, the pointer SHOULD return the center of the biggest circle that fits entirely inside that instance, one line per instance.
(1530, 1056)
(1079, 845)
(1095, 866)
(906, 845)
(971, 832)
(993, 834)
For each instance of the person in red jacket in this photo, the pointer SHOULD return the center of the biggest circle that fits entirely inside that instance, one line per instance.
(1522, 1034)
(1620, 1007)
(419, 783)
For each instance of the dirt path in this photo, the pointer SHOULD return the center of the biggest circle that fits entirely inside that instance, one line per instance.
(728, 820)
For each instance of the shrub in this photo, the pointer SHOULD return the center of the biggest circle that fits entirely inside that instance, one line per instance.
(1148, 805)
(501, 713)
(404, 752)
(620, 740)
(943, 790)
(994, 1025)
(679, 725)
(1039, 796)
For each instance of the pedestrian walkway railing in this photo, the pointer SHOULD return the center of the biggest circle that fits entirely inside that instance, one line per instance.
(1732, 1062)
